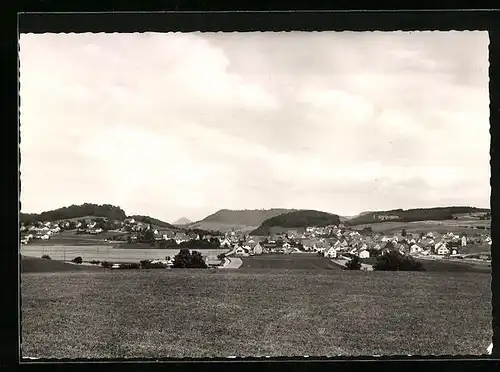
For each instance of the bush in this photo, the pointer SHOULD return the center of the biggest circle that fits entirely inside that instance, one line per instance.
(77, 260)
(94, 262)
(185, 259)
(395, 261)
(46, 257)
(106, 264)
(130, 266)
(146, 264)
(221, 256)
(353, 264)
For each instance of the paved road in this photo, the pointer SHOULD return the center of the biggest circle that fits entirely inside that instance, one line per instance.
(232, 263)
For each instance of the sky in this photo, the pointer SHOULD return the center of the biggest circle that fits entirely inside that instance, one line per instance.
(184, 124)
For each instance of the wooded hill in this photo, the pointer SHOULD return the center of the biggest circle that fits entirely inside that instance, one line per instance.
(296, 219)
(75, 211)
(410, 215)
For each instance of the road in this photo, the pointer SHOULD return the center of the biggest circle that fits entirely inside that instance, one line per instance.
(232, 263)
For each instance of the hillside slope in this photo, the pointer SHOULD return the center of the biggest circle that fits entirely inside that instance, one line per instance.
(74, 211)
(182, 221)
(295, 219)
(411, 215)
(153, 221)
(244, 220)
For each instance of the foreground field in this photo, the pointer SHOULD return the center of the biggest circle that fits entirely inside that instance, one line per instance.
(220, 313)
(303, 261)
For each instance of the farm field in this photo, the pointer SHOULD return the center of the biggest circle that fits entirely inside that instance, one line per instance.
(455, 226)
(39, 265)
(304, 261)
(444, 265)
(104, 252)
(220, 313)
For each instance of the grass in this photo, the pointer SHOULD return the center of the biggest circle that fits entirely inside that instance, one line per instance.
(455, 226)
(219, 313)
(39, 265)
(444, 265)
(289, 262)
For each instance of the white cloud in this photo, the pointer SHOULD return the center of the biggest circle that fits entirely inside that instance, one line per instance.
(185, 124)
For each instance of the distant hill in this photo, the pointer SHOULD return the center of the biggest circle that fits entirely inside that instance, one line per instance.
(153, 221)
(242, 220)
(411, 215)
(297, 219)
(74, 211)
(182, 221)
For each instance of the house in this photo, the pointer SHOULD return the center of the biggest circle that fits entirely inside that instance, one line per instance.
(180, 237)
(330, 253)
(240, 251)
(464, 241)
(438, 246)
(364, 254)
(286, 245)
(442, 250)
(257, 249)
(415, 249)
(225, 242)
(45, 237)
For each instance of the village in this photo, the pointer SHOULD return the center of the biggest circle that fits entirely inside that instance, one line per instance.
(330, 241)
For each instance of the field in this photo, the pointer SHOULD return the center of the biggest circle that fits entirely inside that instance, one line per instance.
(305, 261)
(39, 265)
(104, 252)
(455, 226)
(253, 312)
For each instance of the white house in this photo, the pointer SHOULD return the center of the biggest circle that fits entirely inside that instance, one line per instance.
(330, 253)
(257, 249)
(464, 241)
(442, 250)
(415, 249)
(225, 242)
(364, 254)
(439, 245)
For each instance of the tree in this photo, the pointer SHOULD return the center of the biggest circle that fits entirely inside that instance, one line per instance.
(163, 244)
(403, 233)
(353, 264)
(77, 260)
(395, 261)
(185, 259)
(129, 239)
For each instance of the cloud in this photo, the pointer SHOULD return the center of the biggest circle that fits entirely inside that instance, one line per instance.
(185, 124)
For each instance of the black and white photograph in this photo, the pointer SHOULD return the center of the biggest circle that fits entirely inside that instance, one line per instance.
(254, 194)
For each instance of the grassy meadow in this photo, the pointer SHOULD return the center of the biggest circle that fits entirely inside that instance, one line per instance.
(252, 312)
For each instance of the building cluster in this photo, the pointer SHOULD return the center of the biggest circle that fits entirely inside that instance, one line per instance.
(334, 240)
(329, 240)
